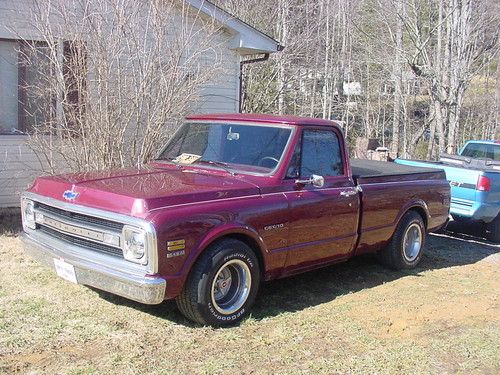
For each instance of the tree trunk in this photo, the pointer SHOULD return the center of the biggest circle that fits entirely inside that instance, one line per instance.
(281, 63)
(397, 74)
(432, 134)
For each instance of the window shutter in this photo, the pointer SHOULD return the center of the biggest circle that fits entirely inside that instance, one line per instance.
(75, 73)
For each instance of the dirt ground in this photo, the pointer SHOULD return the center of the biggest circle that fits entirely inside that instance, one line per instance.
(357, 317)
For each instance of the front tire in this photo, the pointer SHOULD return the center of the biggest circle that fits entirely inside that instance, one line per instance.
(406, 246)
(222, 285)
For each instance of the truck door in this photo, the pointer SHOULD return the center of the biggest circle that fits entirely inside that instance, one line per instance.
(323, 220)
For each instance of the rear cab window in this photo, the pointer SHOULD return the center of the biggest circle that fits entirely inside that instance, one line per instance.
(482, 151)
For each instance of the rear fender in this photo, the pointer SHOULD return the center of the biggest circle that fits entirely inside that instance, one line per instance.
(418, 205)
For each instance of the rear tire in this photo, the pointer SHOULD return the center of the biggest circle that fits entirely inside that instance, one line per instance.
(406, 246)
(493, 230)
(222, 285)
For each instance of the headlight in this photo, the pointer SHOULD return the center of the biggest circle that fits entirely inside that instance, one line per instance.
(28, 214)
(134, 244)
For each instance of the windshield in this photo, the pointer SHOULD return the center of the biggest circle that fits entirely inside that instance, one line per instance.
(482, 151)
(250, 148)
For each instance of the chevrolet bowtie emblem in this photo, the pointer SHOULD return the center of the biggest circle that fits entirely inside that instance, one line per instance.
(69, 195)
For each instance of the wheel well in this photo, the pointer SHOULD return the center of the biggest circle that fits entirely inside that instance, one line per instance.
(421, 212)
(250, 242)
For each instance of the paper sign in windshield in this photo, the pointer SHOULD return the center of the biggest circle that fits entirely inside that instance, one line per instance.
(185, 158)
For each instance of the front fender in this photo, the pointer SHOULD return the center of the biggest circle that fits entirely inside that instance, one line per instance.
(226, 230)
(199, 234)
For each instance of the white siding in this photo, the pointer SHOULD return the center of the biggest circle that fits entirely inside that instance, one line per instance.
(19, 165)
(223, 94)
(14, 19)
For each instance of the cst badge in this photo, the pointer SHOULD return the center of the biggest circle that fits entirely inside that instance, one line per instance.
(176, 248)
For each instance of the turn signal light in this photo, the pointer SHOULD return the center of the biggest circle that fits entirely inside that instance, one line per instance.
(483, 184)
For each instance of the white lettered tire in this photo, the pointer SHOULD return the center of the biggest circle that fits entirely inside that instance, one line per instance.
(222, 285)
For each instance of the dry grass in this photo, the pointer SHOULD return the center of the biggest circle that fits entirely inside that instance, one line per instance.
(352, 318)
(10, 222)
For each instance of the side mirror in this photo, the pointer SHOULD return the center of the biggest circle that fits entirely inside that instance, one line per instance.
(314, 180)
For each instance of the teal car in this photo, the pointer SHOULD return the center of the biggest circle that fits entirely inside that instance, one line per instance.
(474, 177)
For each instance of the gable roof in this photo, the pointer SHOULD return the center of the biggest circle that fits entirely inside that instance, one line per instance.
(247, 40)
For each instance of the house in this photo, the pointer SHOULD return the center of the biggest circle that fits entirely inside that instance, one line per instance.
(19, 164)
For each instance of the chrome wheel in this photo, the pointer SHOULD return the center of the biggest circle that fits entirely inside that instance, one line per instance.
(412, 242)
(231, 286)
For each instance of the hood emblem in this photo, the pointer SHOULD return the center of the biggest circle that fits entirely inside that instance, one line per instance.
(70, 195)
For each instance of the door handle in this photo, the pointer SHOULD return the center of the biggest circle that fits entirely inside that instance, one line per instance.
(348, 193)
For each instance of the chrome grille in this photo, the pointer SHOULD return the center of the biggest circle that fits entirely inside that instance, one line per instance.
(79, 218)
(82, 242)
(89, 232)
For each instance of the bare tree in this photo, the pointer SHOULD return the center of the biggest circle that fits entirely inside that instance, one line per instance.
(114, 77)
(424, 67)
(397, 73)
(451, 40)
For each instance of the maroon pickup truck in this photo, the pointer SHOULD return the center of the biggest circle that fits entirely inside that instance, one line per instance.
(231, 201)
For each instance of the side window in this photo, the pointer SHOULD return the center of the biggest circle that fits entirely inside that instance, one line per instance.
(293, 170)
(321, 154)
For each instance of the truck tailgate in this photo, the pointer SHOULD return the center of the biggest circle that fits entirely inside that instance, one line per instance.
(466, 199)
(463, 188)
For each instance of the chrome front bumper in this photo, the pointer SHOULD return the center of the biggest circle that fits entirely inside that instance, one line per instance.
(144, 289)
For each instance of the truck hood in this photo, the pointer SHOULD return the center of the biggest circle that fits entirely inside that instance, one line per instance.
(135, 192)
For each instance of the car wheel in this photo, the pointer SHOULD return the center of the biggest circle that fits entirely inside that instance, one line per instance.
(406, 246)
(493, 230)
(222, 285)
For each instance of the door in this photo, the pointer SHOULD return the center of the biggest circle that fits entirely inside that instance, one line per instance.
(323, 220)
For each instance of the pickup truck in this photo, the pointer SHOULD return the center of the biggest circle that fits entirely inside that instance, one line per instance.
(230, 201)
(474, 176)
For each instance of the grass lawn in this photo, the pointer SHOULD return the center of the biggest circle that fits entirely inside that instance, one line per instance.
(355, 317)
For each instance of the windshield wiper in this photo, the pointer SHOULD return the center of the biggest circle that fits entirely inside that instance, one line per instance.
(220, 164)
(168, 158)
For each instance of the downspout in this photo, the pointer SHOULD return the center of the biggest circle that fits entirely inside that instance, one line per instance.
(279, 48)
(242, 64)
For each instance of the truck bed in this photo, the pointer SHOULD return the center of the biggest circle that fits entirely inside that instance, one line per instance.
(386, 188)
(364, 169)
(468, 200)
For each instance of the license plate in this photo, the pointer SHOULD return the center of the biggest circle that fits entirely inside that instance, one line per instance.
(65, 270)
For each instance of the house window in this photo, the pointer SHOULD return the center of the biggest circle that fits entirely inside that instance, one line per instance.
(8, 87)
(26, 98)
